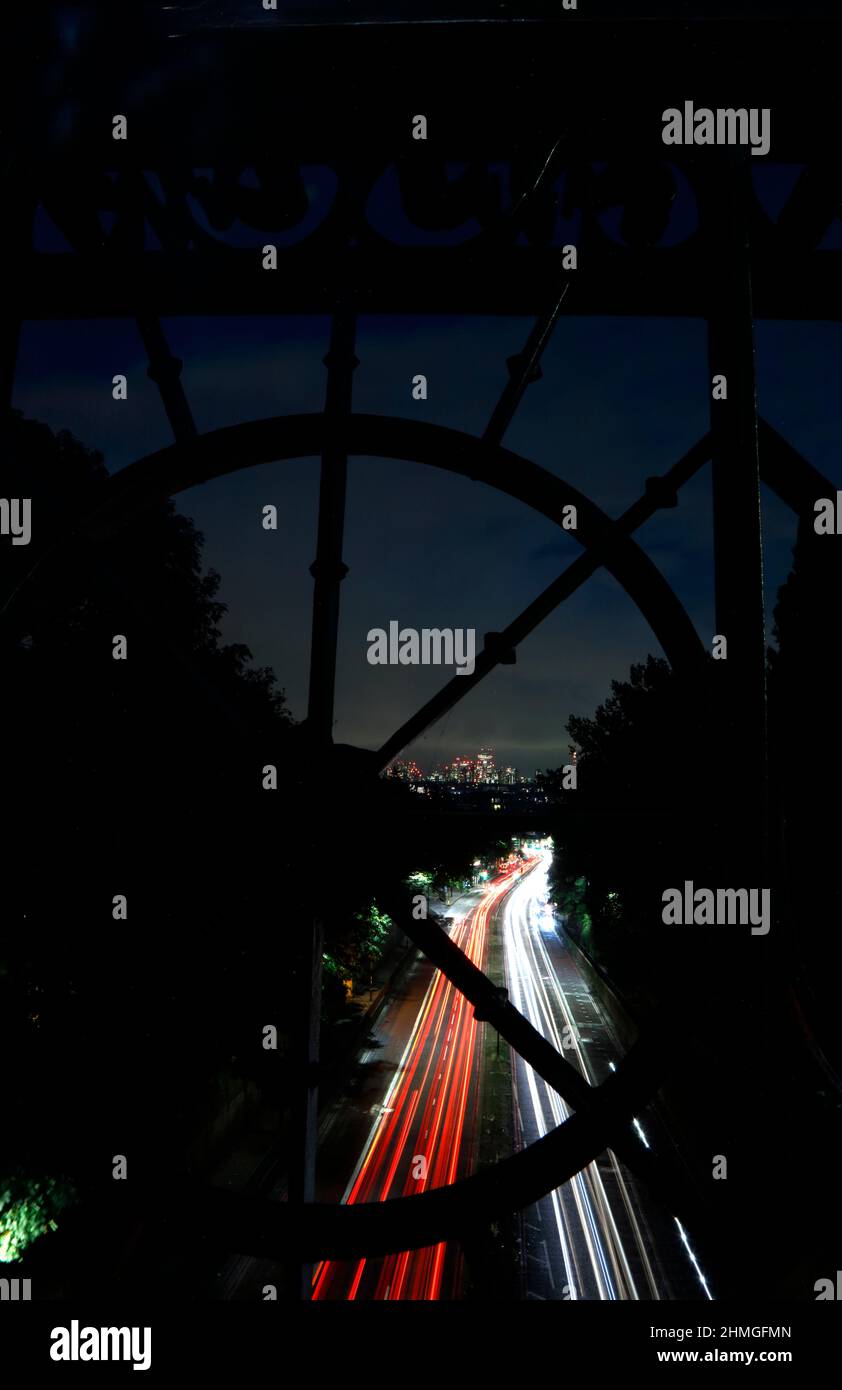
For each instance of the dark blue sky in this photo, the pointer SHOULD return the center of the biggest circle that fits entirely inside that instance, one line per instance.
(620, 399)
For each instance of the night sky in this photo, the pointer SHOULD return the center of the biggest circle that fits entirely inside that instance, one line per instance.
(620, 399)
(217, 1121)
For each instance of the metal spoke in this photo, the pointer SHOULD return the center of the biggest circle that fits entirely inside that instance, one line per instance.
(791, 477)
(524, 368)
(165, 370)
(328, 569)
(493, 1006)
(811, 207)
(738, 546)
(343, 1231)
(660, 492)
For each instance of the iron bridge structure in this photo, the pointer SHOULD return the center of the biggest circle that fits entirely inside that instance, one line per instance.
(544, 130)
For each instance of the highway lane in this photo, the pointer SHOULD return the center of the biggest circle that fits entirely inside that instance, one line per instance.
(422, 1136)
(409, 1121)
(596, 1237)
(587, 1240)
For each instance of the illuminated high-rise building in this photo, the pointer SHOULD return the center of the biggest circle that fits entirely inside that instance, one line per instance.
(404, 771)
(486, 770)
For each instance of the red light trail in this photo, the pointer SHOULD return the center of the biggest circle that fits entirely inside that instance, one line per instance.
(419, 1140)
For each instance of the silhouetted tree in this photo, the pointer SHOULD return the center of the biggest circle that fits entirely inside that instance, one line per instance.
(141, 778)
(646, 815)
(636, 823)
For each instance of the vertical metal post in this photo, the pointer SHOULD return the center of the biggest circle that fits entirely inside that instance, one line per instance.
(16, 241)
(741, 678)
(9, 339)
(165, 370)
(328, 571)
(304, 1032)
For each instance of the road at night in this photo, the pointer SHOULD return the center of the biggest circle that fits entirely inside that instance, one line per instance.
(596, 1237)
(423, 1135)
(593, 1237)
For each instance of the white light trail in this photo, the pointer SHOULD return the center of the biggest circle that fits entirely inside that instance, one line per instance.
(581, 1208)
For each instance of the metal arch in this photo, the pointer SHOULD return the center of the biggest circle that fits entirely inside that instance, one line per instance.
(328, 1230)
(180, 466)
(332, 1231)
(602, 1116)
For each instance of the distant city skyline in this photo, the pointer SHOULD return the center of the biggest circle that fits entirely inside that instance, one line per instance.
(481, 770)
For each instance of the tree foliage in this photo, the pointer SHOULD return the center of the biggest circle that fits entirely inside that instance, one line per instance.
(140, 778)
(29, 1208)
